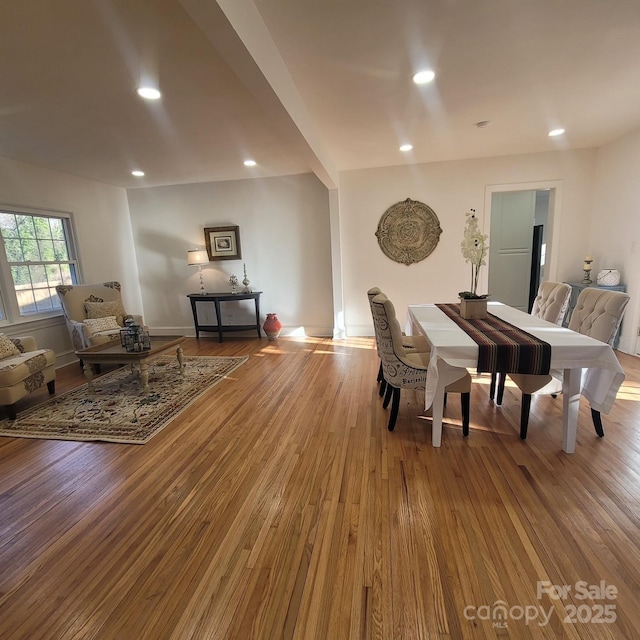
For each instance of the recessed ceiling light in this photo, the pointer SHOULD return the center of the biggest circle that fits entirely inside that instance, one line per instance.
(556, 132)
(149, 93)
(250, 163)
(406, 147)
(137, 173)
(424, 77)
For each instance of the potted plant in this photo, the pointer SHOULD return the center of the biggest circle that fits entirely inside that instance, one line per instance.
(474, 250)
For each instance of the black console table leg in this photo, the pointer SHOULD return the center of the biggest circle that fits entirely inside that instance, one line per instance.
(194, 310)
(257, 301)
(216, 303)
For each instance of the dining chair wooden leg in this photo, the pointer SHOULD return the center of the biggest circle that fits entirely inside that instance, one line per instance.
(524, 414)
(395, 406)
(597, 422)
(380, 373)
(387, 395)
(492, 386)
(383, 387)
(502, 378)
(465, 399)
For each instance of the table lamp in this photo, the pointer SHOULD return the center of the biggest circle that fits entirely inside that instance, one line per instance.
(196, 258)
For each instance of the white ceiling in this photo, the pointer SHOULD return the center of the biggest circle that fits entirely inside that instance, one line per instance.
(308, 85)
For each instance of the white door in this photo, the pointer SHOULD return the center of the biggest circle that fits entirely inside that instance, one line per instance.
(510, 247)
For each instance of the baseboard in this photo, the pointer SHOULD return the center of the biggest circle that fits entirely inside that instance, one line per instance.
(65, 358)
(300, 331)
(360, 331)
(68, 356)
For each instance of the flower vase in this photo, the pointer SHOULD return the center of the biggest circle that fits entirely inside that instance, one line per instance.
(272, 326)
(473, 308)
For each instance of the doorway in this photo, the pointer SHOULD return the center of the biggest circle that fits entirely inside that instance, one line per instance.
(519, 234)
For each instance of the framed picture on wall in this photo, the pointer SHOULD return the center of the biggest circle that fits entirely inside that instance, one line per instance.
(223, 243)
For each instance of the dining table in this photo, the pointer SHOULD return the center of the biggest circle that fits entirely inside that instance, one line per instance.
(587, 367)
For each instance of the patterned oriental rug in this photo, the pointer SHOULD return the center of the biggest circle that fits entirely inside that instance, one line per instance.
(119, 411)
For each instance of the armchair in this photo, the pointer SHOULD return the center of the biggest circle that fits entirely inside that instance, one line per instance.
(94, 312)
(23, 369)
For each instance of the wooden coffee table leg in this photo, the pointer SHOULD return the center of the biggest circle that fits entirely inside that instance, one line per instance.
(88, 374)
(180, 360)
(144, 376)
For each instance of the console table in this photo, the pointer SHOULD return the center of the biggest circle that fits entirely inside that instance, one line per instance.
(576, 288)
(217, 298)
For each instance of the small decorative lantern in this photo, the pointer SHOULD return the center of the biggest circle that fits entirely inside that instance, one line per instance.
(133, 337)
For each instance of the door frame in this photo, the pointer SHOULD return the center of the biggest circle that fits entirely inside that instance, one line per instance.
(553, 232)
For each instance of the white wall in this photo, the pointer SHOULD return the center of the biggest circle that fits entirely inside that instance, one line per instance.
(615, 224)
(450, 189)
(285, 241)
(103, 233)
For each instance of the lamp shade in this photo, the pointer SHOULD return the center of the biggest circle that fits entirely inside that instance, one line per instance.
(197, 256)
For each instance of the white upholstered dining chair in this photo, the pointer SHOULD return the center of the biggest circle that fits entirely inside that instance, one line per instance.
(404, 369)
(551, 301)
(598, 314)
(550, 304)
(411, 343)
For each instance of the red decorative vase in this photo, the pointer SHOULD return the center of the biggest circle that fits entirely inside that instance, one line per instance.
(272, 326)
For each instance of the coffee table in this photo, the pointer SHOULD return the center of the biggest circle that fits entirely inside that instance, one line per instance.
(113, 352)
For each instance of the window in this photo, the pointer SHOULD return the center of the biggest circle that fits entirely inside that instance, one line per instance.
(39, 254)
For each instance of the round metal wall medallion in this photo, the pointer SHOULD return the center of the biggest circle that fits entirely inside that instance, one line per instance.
(408, 231)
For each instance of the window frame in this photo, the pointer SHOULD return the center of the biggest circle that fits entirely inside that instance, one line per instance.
(3, 313)
(9, 307)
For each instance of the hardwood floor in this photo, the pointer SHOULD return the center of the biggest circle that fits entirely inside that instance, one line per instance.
(279, 506)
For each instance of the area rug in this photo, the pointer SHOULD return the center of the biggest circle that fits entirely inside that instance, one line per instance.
(119, 411)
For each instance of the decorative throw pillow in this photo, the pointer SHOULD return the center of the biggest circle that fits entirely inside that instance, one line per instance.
(7, 348)
(101, 324)
(105, 309)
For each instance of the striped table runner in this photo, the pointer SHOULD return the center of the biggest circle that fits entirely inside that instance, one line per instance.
(503, 347)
